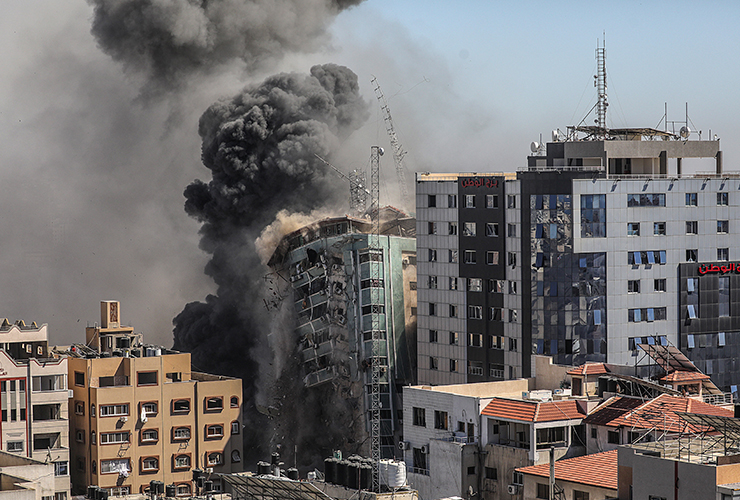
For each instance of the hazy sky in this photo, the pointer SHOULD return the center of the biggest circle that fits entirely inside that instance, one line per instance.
(92, 177)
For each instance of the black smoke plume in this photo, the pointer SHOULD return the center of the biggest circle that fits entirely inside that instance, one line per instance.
(171, 40)
(260, 149)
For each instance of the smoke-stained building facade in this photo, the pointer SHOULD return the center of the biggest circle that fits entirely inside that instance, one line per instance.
(338, 299)
(596, 246)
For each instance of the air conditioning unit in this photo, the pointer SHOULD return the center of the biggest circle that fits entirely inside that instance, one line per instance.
(124, 419)
(425, 449)
(404, 445)
(513, 489)
(209, 470)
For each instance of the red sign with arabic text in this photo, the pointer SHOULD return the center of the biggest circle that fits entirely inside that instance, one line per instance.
(489, 182)
(717, 269)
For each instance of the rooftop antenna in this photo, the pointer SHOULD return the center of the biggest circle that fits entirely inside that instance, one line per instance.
(600, 84)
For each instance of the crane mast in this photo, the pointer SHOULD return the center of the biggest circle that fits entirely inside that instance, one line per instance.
(398, 152)
(376, 267)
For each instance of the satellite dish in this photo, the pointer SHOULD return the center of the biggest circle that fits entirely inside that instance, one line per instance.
(381, 151)
(684, 132)
(534, 147)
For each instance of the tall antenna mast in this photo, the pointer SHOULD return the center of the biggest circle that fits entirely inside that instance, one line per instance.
(600, 84)
(376, 266)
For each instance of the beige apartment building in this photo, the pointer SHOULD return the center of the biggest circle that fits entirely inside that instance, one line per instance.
(139, 413)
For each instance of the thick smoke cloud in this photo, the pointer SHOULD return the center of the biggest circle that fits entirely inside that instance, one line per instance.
(260, 149)
(170, 40)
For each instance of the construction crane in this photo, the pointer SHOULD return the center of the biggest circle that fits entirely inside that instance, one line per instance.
(357, 188)
(398, 152)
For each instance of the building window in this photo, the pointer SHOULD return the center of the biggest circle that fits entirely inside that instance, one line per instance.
(659, 228)
(215, 431)
(691, 199)
(215, 458)
(79, 379)
(495, 314)
(114, 437)
(692, 227)
(180, 433)
(475, 312)
(492, 229)
(61, 468)
(511, 201)
(419, 416)
(452, 229)
(723, 254)
(182, 462)
(659, 285)
(470, 229)
(496, 286)
(431, 200)
(633, 229)
(180, 406)
(593, 216)
(453, 311)
(724, 296)
(79, 436)
(491, 201)
(613, 437)
(149, 436)
(433, 336)
(475, 368)
(453, 365)
(633, 286)
(517, 478)
(512, 344)
(146, 378)
(115, 466)
(543, 490)
(723, 199)
(469, 257)
(432, 282)
(150, 408)
(432, 309)
(79, 407)
(234, 403)
(723, 226)
(454, 338)
(475, 285)
(691, 255)
(594, 432)
(440, 420)
(451, 201)
(453, 256)
(432, 228)
(492, 258)
(469, 201)
(113, 410)
(433, 363)
(235, 427)
(475, 340)
(512, 259)
(432, 255)
(580, 495)
(511, 230)
(16, 446)
(646, 200)
(214, 403)
(453, 283)
(512, 315)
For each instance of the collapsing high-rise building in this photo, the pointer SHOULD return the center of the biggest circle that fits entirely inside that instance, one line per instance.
(343, 286)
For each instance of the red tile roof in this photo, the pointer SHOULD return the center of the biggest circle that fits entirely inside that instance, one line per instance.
(590, 369)
(533, 411)
(681, 376)
(598, 469)
(659, 413)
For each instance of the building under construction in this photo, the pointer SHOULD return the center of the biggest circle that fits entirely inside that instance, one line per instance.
(343, 287)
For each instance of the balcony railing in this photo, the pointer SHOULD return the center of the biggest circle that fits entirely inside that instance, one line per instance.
(417, 470)
(718, 399)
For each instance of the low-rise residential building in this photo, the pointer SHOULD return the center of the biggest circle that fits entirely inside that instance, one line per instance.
(23, 478)
(33, 400)
(589, 477)
(140, 413)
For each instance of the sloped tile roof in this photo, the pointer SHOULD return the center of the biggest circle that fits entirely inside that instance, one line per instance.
(590, 369)
(598, 469)
(659, 413)
(682, 376)
(533, 411)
